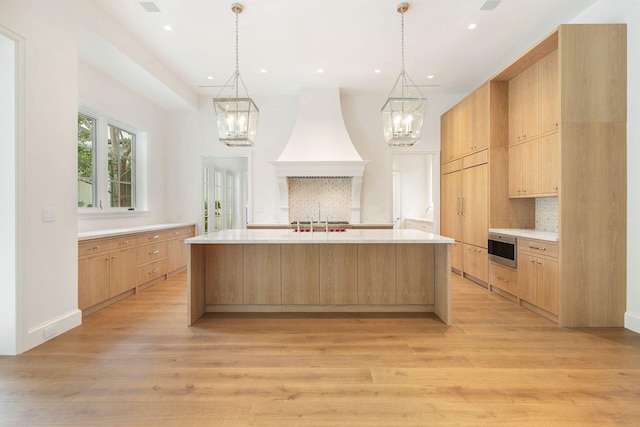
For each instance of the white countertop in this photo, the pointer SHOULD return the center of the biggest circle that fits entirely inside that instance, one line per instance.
(87, 235)
(548, 236)
(419, 219)
(291, 236)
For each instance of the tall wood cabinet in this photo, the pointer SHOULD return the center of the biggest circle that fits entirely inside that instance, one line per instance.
(474, 193)
(581, 149)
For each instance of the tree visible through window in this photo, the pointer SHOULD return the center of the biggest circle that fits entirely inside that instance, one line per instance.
(86, 144)
(120, 166)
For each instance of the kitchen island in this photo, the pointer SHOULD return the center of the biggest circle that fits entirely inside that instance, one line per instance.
(349, 271)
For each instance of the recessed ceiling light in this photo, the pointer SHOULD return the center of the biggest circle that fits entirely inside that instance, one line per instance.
(430, 77)
(263, 71)
(210, 77)
(377, 71)
(320, 70)
(168, 28)
(472, 26)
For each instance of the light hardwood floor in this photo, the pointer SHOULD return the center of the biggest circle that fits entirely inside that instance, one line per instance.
(137, 363)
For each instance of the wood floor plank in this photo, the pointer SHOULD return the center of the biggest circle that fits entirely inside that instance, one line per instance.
(137, 363)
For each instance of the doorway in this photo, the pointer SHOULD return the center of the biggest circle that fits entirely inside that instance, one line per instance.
(225, 193)
(414, 197)
(8, 183)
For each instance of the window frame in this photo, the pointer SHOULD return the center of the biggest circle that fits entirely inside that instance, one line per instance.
(101, 207)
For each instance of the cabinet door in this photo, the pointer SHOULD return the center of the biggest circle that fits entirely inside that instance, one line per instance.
(548, 285)
(457, 259)
(445, 137)
(515, 109)
(515, 170)
(530, 168)
(530, 102)
(466, 122)
(475, 206)
(549, 93)
(300, 274)
(476, 262)
(176, 254)
(481, 118)
(338, 274)
(262, 274)
(456, 132)
(451, 196)
(376, 274)
(415, 274)
(93, 280)
(549, 164)
(223, 274)
(527, 277)
(124, 271)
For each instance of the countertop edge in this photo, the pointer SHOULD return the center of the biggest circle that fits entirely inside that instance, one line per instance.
(548, 236)
(101, 234)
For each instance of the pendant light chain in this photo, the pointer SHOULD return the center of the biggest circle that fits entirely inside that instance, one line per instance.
(402, 39)
(237, 62)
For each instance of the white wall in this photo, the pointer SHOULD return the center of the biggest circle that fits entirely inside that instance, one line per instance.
(47, 175)
(8, 312)
(194, 135)
(628, 11)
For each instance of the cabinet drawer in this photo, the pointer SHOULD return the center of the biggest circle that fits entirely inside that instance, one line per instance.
(504, 278)
(122, 242)
(454, 166)
(476, 262)
(152, 236)
(153, 252)
(90, 247)
(538, 247)
(151, 271)
(181, 232)
(475, 159)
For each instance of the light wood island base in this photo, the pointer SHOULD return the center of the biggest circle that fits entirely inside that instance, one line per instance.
(400, 271)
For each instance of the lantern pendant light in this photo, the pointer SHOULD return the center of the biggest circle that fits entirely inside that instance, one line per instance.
(403, 113)
(237, 116)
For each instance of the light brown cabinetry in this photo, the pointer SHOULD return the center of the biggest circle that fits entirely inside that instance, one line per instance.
(338, 274)
(300, 274)
(113, 268)
(414, 274)
(476, 262)
(224, 272)
(523, 105)
(107, 273)
(503, 278)
(376, 274)
(262, 274)
(549, 93)
(538, 274)
(474, 205)
(451, 134)
(523, 169)
(548, 165)
(177, 250)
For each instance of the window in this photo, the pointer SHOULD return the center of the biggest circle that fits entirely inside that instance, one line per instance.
(106, 164)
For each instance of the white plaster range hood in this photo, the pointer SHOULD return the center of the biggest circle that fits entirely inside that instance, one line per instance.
(319, 146)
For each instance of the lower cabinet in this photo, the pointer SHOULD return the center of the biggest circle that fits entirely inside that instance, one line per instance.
(503, 278)
(476, 262)
(115, 267)
(457, 257)
(535, 284)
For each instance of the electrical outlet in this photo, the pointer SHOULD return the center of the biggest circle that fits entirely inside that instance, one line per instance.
(49, 331)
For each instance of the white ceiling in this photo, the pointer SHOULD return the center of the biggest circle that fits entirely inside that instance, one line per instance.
(348, 39)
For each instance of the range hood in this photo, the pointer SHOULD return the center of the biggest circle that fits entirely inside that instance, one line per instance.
(320, 146)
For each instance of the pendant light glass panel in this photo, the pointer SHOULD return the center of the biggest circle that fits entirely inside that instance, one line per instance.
(237, 121)
(402, 121)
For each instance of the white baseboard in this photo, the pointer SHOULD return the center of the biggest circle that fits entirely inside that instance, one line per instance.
(54, 327)
(632, 321)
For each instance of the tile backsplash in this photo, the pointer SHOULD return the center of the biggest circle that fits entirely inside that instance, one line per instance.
(328, 196)
(547, 214)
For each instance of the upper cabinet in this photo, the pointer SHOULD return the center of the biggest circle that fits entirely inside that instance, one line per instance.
(548, 80)
(465, 128)
(523, 105)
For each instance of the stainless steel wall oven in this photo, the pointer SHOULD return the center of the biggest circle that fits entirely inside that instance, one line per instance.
(503, 249)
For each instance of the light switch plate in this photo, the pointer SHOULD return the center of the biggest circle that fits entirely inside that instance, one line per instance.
(48, 214)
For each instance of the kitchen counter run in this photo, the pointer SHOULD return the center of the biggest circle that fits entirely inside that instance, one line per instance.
(290, 236)
(548, 236)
